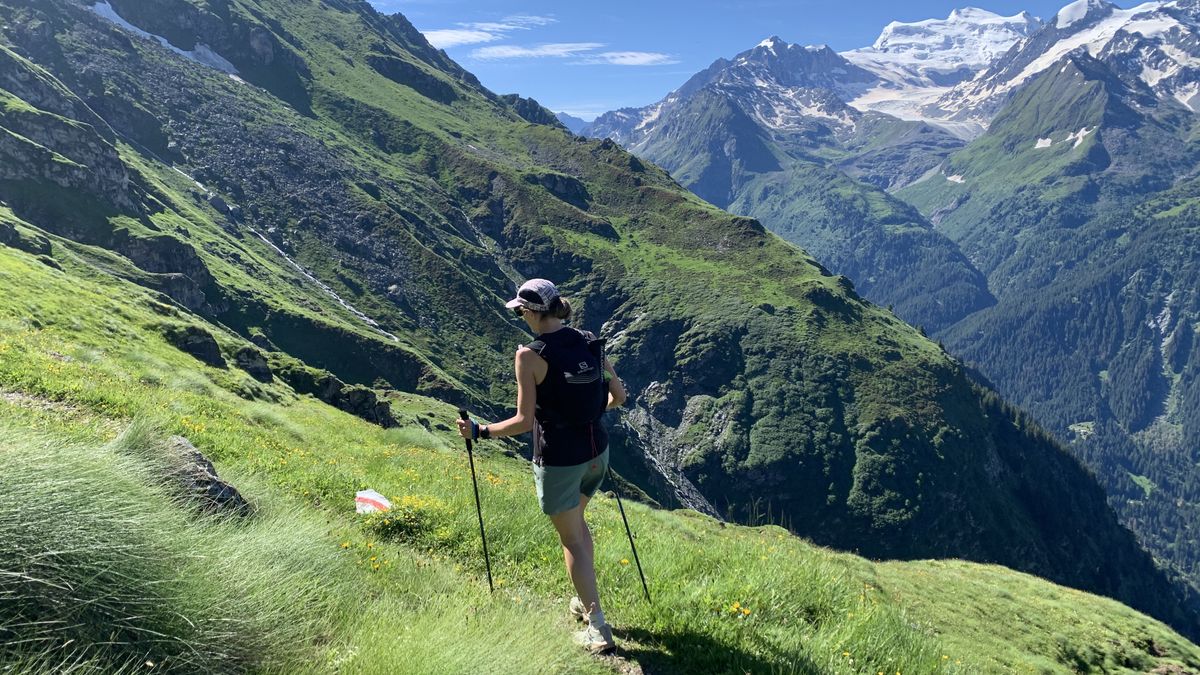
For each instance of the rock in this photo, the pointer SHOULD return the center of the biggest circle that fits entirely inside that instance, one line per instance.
(199, 483)
(184, 275)
(197, 342)
(23, 239)
(354, 399)
(263, 342)
(567, 188)
(218, 203)
(254, 362)
(38, 143)
(180, 288)
(402, 72)
(531, 111)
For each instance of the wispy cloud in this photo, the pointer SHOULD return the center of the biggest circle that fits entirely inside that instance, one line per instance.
(453, 37)
(585, 53)
(552, 50)
(477, 32)
(631, 59)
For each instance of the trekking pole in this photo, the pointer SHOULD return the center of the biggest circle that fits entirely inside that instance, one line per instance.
(629, 532)
(478, 509)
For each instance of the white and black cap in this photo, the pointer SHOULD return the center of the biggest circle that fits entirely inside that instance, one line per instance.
(536, 295)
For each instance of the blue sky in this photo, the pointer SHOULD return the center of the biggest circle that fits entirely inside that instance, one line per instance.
(588, 58)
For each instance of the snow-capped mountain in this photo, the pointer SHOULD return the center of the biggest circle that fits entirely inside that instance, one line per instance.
(1156, 43)
(942, 52)
(954, 73)
(780, 85)
(919, 62)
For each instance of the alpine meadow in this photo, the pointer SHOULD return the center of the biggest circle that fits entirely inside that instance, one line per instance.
(909, 389)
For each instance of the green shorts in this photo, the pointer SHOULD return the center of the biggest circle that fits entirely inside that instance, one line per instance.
(559, 487)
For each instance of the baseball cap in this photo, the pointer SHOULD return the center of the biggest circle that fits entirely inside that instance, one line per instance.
(535, 294)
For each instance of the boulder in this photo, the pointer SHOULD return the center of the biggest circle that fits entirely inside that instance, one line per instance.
(199, 483)
(218, 203)
(196, 341)
(254, 362)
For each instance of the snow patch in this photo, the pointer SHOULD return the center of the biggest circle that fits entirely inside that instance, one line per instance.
(969, 39)
(1078, 136)
(956, 178)
(1072, 13)
(1044, 143)
(910, 103)
(650, 117)
(202, 54)
(1151, 26)
(1187, 95)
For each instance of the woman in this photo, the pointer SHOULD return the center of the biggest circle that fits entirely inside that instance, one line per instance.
(563, 387)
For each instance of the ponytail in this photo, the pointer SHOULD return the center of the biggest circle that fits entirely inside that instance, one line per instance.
(560, 308)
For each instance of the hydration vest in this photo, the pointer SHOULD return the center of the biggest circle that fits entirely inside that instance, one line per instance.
(574, 392)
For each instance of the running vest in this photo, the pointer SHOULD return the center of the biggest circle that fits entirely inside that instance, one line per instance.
(572, 397)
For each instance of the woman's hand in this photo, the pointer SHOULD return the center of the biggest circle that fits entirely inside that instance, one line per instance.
(465, 428)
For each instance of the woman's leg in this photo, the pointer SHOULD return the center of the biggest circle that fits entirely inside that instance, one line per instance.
(578, 553)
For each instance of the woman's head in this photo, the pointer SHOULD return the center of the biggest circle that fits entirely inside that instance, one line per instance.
(538, 300)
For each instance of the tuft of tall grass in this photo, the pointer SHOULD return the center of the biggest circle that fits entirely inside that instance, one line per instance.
(101, 570)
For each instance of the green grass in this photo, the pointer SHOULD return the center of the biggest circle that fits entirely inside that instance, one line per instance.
(89, 389)
(1062, 629)
(1145, 483)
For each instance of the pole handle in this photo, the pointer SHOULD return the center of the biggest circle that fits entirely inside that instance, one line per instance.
(462, 415)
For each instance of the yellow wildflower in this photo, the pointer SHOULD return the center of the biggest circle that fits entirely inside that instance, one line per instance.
(624, 561)
(345, 544)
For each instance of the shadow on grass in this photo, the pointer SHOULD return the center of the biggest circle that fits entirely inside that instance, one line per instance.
(686, 652)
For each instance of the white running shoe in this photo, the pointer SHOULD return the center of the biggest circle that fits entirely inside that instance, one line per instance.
(597, 639)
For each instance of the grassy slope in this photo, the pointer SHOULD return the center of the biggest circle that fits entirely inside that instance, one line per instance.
(81, 358)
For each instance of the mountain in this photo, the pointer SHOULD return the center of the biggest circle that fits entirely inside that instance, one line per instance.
(571, 122)
(919, 62)
(1079, 127)
(942, 52)
(1155, 43)
(1077, 204)
(330, 221)
(768, 135)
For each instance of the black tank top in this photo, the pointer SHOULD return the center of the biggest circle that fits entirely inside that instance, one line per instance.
(570, 400)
